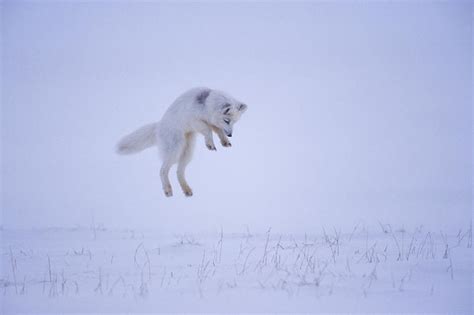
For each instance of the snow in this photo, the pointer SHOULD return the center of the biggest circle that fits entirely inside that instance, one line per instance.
(367, 269)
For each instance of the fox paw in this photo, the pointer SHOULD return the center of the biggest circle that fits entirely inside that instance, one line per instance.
(168, 191)
(226, 144)
(188, 192)
(211, 146)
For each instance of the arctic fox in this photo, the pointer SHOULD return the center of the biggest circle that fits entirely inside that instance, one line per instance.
(199, 110)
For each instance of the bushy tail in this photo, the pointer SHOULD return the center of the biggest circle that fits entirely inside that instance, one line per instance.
(138, 140)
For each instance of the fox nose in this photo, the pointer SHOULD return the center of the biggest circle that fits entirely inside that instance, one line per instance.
(229, 135)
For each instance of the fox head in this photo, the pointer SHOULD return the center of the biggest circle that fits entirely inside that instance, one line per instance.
(229, 115)
(226, 111)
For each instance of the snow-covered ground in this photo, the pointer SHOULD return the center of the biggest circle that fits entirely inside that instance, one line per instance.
(367, 269)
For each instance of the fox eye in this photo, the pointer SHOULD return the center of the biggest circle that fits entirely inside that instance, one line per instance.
(227, 121)
(226, 108)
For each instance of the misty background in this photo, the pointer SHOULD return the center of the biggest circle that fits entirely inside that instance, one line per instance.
(358, 112)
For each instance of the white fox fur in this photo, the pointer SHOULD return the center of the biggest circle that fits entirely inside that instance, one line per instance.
(199, 110)
(138, 140)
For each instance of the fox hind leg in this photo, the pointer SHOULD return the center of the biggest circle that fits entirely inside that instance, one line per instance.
(171, 148)
(184, 160)
(165, 181)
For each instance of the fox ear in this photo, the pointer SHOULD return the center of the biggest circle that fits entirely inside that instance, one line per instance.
(202, 96)
(226, 108)
(242, 108)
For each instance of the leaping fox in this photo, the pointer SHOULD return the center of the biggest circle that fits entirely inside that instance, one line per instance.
(199, 110)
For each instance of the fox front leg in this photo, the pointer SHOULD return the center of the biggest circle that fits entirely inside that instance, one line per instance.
(209, 139)
(224, 140)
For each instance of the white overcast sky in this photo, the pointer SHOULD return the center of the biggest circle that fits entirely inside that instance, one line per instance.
(358, 112)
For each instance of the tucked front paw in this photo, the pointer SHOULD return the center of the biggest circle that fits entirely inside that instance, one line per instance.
(211, 146)
(226, 144)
